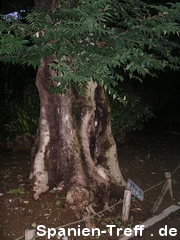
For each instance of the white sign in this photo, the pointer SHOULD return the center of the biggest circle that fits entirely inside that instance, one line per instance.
(135, 190)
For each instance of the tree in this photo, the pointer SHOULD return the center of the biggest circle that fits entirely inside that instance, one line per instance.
(82, 50)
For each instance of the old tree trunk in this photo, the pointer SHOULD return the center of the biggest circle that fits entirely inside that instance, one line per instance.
(74, 147)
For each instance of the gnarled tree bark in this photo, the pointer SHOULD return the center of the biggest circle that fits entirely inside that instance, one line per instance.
(74, 143)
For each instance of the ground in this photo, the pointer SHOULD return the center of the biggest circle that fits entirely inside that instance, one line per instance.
(143, 158)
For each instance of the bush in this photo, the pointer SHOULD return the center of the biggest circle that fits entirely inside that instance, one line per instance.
(128, 114)
(19, 121)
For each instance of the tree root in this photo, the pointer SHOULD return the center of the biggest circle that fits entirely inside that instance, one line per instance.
(88, 221)
(91, 210)
(106, 207)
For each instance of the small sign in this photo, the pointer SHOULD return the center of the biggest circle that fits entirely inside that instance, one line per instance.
(135, 190)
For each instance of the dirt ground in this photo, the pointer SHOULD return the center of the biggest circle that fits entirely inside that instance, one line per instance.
(143, 158)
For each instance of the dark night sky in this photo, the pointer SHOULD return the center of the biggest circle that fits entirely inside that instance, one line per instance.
(15, 5)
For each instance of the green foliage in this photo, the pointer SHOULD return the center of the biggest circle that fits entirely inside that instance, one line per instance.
(17, 191)
(19, 121)
(93, 38)
(16, 81)
(24, 118)
(128, 114)
(58, 203)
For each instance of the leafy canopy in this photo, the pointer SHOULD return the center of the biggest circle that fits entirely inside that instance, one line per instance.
(91, 39)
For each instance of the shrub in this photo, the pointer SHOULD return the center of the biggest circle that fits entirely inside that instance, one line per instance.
(128, 114)
(19, 121)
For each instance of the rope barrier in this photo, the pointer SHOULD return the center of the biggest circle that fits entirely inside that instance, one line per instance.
(162, 181)
(112, 206)
(147, 190)
(175, 169)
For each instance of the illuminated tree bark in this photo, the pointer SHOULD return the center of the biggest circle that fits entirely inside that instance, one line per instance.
(74, 146)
